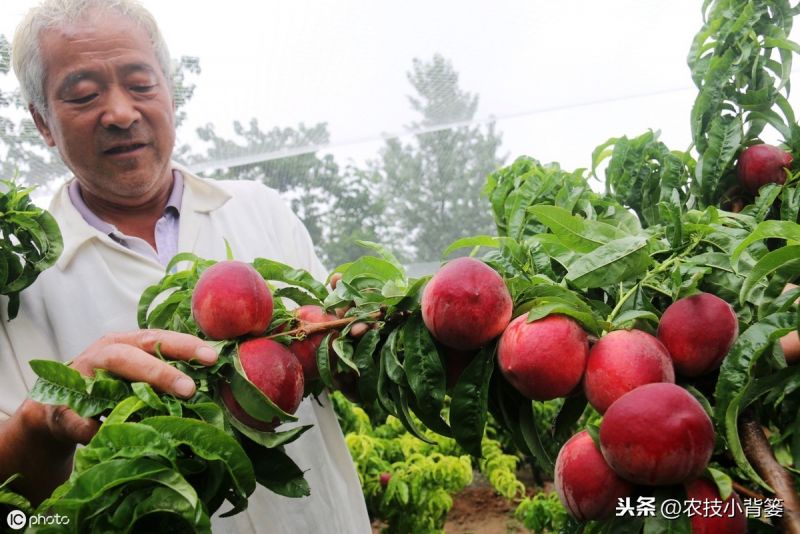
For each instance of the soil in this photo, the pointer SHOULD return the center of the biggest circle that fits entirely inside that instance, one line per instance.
(477, 509)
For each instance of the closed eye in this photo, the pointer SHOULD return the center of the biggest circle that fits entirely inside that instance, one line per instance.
(143, 88)
(81, 100)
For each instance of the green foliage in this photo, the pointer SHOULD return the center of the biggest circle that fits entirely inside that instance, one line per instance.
(30, 242)
(423, 476)
(542, 513)
(432, 184)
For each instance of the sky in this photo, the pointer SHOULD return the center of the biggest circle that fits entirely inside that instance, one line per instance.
(559, 78)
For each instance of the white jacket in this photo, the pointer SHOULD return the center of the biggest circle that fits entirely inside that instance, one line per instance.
(94, 289)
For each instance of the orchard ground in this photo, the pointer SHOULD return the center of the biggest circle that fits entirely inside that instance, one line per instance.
(478, 509)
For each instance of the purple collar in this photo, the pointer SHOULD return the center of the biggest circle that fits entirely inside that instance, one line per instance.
(174, 202)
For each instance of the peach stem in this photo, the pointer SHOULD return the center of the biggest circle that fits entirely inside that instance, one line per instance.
(306, 329)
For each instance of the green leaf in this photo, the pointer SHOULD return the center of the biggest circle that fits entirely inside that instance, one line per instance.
(611, 263)
(766, 265)
(673, 525)
(269, 440)
(472, 242)
(252, 400)
(323, 358)
(368, 369)
(61, 385)
(124, 440)
(578, 234)
(736, 379)
(723, 482)
(468, 407)
(279, 272)
(278, 473)
(533, 439)
(765, 230)
(423, 367)
(209, 443)
(400, 397)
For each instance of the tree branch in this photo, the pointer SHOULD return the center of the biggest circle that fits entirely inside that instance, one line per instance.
(759, 453)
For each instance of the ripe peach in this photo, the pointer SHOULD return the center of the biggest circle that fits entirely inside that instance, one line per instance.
(384, 479)
(230, 300)
(226, 393)
(544, 359)
(657, 434)
(588, 488)
(698, 332)
(762, 164)
(790, 343)
(274, 370)
(466, 304)
(306, 349)
(713, 515)
(621, 361)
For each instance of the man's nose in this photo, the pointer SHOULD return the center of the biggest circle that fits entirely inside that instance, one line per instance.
(120, 110)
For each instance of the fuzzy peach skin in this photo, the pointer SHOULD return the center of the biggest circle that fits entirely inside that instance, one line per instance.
(698, 332)
(466, 304)
(231, 299)
(588, 488)
(621, 361)
(544, 359)
(657, 434)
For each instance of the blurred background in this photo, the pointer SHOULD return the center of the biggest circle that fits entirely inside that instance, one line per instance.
(382, 120)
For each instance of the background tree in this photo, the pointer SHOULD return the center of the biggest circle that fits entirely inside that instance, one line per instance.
(433, 184)
(304, 178)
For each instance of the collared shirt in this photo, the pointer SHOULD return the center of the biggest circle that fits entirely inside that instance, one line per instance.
(166, 231)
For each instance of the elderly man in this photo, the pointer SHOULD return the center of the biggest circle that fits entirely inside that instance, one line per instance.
(97, 76)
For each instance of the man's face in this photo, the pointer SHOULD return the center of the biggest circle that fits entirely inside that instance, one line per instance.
(110, 111)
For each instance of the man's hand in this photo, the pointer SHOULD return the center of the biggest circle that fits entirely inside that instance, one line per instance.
(39, 439)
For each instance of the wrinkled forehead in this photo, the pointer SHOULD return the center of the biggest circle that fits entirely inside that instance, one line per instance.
(96, 39)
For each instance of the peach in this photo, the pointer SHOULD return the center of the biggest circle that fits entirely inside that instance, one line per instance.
(466, 304)
(621, 361)
(713, 515)
(306, 349)
(226, 393)
(230, 300)
(698, 332)
(588, 488)
(763, 164)
(544, 359)
(275, 371)
(657, 434)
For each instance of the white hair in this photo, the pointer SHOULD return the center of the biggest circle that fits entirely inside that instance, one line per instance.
(26, 52)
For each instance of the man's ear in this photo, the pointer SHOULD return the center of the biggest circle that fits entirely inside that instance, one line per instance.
(42, 126)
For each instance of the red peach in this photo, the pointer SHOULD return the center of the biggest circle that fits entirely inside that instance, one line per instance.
(306, 349)
(231, 299)
(588, 488)
(544, 359)
(466, 304)
(762, 164)
(226, 393)
(657, 434)
(622, 361)
(274, 370)
(698, 332)
(731, 518)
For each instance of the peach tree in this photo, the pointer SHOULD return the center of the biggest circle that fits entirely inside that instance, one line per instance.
(692, 253)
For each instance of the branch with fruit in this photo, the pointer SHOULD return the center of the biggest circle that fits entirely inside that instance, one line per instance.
(655, 309)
